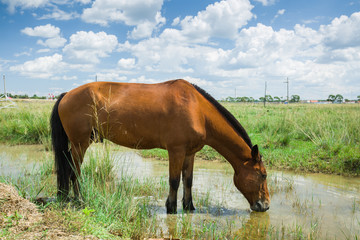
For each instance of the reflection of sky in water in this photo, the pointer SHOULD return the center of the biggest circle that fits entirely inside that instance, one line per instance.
(14, 160)
(326, 199)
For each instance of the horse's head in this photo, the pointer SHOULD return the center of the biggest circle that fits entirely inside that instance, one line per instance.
(250, 179)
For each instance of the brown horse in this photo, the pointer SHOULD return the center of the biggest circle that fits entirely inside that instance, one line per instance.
(175, 115)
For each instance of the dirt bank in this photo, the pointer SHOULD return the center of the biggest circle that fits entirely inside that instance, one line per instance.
(21, 219)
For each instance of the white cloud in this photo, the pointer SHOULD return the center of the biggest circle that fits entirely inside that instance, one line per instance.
(45, 31)
(59, 14)
(176, 21)
(48, 31)
(42, 67)
(55, 42)
(260, 53)
(111, 76)
(126, 63)
(146, 28)
(342, 32)
(90, 46)
(143, 14)
(222, 19)
(24, 4)
(266, 2)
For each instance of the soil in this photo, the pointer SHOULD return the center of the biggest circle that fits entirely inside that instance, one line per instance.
(22, 219)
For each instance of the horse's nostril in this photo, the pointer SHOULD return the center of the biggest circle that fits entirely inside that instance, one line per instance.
(259, 206)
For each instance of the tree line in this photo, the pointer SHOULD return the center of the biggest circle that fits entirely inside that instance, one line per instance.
(267, 98)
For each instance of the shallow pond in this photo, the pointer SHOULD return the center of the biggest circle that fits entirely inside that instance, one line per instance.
(308, 205)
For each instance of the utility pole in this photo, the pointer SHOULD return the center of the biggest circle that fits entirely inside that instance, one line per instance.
(95, 78)
(4, 87)
(235, 92)
(287, 82)
(265, 94)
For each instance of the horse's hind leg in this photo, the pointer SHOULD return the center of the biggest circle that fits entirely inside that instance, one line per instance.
(187, 178)
(176, 160)
(78, 151)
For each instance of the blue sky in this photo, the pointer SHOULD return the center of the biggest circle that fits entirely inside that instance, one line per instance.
(226, 47)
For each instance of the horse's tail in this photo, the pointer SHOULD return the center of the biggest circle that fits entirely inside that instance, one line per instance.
(60, 144)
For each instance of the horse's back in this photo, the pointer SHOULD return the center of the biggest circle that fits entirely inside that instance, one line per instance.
(134, 114)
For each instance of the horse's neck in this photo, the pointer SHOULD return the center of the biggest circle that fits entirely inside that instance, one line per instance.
(225, 140)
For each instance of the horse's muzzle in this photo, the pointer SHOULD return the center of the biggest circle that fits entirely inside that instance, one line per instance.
(260, 206)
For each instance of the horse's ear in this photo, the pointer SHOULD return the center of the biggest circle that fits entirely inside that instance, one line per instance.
(255, 153)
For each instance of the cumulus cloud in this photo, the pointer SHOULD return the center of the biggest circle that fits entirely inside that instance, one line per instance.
(45, 31)
(126, 63)
(42, 67)
(48, 31)
(59, 14)
(343, 32)
(312, 58)
(143, 14)
(23, 4)
(89, 46)
(222, 19)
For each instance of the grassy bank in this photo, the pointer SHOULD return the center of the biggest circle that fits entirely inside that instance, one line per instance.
(315, 138)
(117, 205)
(26, 123)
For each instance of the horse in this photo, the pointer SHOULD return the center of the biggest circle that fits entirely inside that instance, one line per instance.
(175, 115)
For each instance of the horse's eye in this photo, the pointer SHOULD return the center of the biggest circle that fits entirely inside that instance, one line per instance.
(263, 176)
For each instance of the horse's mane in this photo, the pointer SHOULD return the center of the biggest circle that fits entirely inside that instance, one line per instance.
(227, 115)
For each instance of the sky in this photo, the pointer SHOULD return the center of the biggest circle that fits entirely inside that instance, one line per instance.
(228, 47)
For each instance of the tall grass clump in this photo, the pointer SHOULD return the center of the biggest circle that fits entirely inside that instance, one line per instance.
(120, 202)
(27, 123)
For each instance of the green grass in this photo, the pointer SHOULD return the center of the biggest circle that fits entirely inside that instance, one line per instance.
(27, 123)
(120, 206)
(313, 138)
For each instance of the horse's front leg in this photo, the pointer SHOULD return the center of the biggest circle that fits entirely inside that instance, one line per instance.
(176, 160)
(187, 178)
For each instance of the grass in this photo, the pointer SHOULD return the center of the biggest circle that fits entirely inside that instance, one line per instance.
(27, 123)
(313, 138)
(116, 205)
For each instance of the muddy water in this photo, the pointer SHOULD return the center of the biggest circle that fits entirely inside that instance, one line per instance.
(316, 205)
(319, 205)
(15, 160)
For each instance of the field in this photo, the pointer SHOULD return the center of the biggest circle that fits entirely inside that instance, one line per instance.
(304, 138)
(311, 138)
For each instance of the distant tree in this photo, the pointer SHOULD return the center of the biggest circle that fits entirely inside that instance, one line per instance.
(251, 99)
(261, 99)
(339, 98)
(247, 99)
(230, 99)
(331, 98)
(358, 98)
(269, 98)
(277, 99)
(295, 98)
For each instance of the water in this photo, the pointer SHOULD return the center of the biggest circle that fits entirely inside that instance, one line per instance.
(327, 206)
(15, 160)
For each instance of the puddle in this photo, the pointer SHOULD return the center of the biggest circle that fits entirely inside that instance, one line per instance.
(15, 160)
(326, 204)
